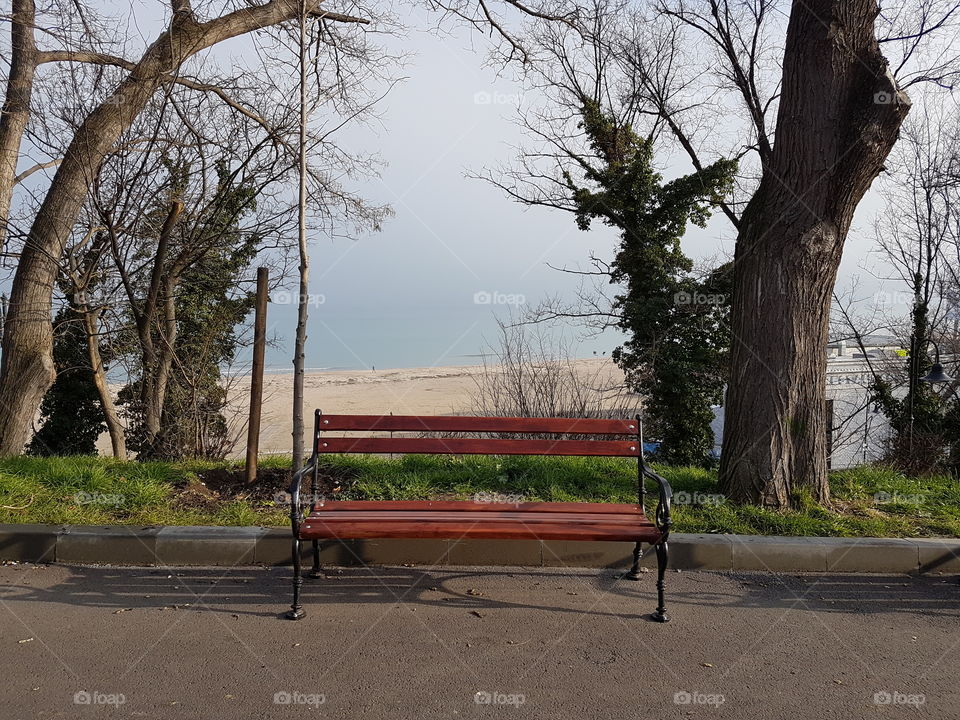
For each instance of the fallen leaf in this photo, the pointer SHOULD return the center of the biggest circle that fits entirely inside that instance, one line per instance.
(474, 591)
(122, 610)
(706, 664)
(26, 640)
(472, 612)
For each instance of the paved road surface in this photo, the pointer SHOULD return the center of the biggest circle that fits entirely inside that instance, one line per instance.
(415, 643)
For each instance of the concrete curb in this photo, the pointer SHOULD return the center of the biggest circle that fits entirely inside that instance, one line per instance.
(130, 545)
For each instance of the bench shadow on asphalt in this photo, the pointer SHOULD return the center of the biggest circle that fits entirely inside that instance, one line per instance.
(234, 590)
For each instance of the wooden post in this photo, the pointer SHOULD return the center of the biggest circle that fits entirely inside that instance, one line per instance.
(256, 375)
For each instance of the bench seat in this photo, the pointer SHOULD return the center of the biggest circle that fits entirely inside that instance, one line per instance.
(463, 519)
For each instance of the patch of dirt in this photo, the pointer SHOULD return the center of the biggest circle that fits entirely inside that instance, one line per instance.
(230, 484)
(195, 495)
(212, 488)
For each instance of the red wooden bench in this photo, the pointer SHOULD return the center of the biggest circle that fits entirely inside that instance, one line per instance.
(320, 518)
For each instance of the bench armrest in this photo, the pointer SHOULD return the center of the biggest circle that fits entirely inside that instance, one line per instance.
(296, 512)
(662, 516)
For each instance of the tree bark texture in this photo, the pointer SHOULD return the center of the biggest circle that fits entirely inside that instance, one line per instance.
(839, 116)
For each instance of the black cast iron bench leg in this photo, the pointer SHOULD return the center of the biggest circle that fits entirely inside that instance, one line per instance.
(296, 611)
(660, 614)
(316, 572)
(634, 573)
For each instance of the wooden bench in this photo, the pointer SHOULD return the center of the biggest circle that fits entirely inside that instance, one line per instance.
(318, 518)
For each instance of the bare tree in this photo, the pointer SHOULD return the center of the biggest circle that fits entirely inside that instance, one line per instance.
(303, 269)
(533, 375)
(83, 261)
(26, 369)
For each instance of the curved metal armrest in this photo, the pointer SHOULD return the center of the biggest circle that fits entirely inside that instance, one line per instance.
(662, 516)
(296, 512)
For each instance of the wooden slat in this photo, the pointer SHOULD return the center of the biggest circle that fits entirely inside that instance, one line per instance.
(376, 506)
(529, 528)
(354, 519)
(459, 423)
(475, 446)
(428, 516)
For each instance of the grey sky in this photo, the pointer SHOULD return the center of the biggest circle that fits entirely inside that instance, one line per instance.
(454, 236)
(406, 296)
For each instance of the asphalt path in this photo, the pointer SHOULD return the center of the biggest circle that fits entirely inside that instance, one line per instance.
(413, 642)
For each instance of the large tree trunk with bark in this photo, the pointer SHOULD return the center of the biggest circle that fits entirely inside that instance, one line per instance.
(26, 369)
(839, 115)
(32, 363)
(16, 104)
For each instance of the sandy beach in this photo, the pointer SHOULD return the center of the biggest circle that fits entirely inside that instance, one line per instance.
(410, 391)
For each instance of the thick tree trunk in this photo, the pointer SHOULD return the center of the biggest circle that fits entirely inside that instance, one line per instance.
(26, 369)
(32, 364)
(16, 104)
(839, 115)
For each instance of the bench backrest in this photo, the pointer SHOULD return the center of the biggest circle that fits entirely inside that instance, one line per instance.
(476, 446)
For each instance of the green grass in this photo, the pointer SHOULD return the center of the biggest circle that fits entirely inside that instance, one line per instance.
(869, 501)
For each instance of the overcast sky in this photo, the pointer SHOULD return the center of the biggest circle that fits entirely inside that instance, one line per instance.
(453, 236)
(415, 293)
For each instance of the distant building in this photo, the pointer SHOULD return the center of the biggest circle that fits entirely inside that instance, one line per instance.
(859, 432)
